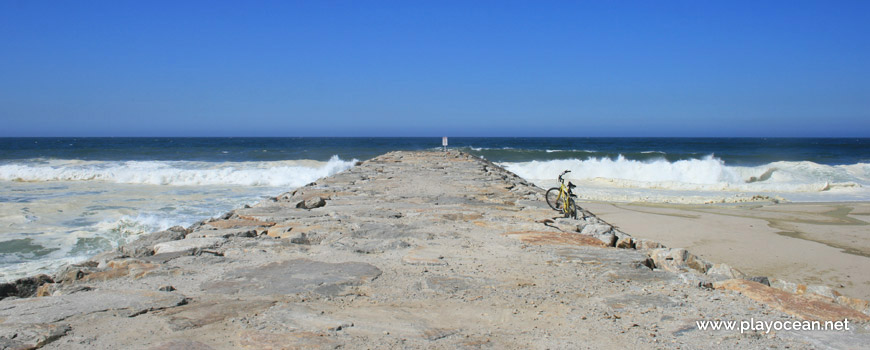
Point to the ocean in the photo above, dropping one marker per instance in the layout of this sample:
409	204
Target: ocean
63	200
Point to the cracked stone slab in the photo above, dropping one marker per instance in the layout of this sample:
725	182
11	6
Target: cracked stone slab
250	339
187	244
237	224
555	238
302	318
407	320
54	309
276	213
30	336
424	256
621	264
640	273
198	314
373	230
372	246
251	231
401	321
295	276
602	255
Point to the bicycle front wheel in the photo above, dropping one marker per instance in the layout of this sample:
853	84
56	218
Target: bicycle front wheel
553	199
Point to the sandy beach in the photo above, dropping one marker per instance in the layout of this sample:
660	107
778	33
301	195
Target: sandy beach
806	243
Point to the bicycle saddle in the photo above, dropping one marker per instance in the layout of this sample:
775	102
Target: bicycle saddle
570	185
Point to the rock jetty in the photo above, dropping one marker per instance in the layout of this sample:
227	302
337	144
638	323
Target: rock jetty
410	250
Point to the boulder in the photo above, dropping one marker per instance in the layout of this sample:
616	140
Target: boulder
760	279
609	239
693	279
596	229
696	263
625	243
298	238
23	287
721	272
787	286
673	260
796	305
311	203
144	246
71	273
823	291
564	225
858	304
103	258
645	244
278	231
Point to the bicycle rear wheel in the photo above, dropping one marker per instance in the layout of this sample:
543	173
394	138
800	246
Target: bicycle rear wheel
553	199
571	210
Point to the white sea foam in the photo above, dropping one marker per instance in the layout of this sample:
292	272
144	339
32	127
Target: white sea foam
177	173
709	174
75	209
570	150
489	148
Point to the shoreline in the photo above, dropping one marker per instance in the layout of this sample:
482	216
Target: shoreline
802	242
411	250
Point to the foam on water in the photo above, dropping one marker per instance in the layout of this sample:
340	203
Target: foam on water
176	173
791	180
570	150
54	212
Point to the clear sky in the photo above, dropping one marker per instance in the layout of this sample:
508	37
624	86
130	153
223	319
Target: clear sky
432	68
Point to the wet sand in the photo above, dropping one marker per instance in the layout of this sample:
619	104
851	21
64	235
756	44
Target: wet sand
807	243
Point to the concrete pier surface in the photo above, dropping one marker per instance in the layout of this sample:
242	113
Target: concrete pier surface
415	250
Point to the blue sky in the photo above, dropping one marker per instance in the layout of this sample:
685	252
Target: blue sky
432	68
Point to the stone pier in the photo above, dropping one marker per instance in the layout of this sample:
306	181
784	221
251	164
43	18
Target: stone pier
410	250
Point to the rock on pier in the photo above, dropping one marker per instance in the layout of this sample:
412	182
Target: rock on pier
408	250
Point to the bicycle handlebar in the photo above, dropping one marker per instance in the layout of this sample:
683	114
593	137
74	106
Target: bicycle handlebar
563	174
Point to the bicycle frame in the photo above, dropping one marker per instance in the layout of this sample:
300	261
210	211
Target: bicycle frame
565	205
562	199
564	194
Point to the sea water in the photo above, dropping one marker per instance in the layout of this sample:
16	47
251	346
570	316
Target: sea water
63	200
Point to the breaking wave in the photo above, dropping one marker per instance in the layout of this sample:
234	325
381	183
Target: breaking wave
293	173
489	148
708	174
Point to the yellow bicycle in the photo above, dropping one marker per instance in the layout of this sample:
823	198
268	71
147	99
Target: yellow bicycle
562	198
